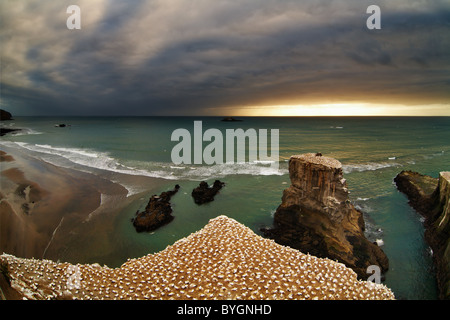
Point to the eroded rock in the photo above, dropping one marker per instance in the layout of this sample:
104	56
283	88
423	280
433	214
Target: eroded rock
157	213
316	216
430	197
203	193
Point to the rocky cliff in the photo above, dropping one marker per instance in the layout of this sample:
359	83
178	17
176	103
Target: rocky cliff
430	197
316	216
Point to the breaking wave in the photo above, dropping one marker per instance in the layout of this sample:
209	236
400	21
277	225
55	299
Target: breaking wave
368	166
21	131
70	157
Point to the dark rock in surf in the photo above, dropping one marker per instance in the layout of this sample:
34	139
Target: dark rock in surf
4	131
157	213
203	193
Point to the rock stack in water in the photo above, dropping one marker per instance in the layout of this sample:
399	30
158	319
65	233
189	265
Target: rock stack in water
204	194
157	213
316	216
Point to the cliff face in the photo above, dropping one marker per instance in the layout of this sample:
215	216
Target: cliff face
442	222
430	197
317	182
316	216
419	188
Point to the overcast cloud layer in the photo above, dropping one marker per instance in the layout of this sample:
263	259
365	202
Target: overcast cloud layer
193	57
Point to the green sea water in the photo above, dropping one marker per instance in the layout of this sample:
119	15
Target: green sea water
373	150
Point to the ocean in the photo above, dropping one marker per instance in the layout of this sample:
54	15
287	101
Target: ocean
373	150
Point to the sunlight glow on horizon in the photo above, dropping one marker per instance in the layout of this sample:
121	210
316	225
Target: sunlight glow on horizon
343	109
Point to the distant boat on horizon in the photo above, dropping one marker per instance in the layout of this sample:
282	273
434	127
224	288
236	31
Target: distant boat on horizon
231	119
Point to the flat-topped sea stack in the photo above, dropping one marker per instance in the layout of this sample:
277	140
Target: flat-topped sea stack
316	216
431	198
224	260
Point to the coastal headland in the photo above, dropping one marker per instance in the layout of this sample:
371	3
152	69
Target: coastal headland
431	198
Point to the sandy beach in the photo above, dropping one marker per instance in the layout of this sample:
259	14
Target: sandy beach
50	212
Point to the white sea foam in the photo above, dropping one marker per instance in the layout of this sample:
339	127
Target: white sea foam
272	213
21	131
348	168
66	151
434	155
264	161
25	131
363	207
84	157
131	189
220	170
102	160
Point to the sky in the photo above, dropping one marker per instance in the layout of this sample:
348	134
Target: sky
225	58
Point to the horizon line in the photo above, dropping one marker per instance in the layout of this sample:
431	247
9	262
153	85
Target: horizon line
231	116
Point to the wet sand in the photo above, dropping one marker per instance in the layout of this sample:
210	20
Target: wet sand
58	213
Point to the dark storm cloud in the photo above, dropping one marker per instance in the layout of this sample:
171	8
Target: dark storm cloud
184	57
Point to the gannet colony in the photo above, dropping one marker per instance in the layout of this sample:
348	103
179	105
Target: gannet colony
224	260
